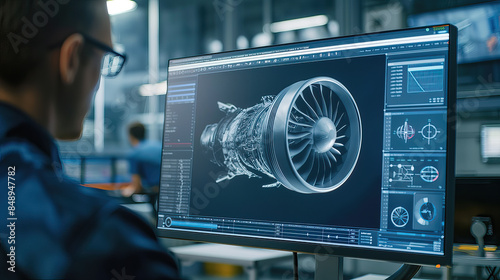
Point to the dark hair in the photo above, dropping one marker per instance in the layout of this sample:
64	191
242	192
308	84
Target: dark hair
28	28
137	130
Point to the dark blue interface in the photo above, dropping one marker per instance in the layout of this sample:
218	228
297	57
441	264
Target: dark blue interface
339	142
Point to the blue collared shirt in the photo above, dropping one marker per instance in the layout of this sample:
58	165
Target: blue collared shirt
62	230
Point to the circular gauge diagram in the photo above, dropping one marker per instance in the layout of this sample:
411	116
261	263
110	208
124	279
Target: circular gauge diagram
425	211
400	217
429	132
429	174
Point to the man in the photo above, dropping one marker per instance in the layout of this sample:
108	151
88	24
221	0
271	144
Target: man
51	53
144	161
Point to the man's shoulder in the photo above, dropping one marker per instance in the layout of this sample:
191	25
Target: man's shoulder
79	226
45	194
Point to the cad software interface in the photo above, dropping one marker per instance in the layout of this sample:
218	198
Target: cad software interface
339	141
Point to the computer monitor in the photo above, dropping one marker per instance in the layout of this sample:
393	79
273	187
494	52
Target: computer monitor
122	170
343	146
478	29
98	170
490	139
72	167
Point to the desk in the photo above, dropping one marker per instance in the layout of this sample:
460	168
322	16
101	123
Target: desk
251	259
107	186
464	259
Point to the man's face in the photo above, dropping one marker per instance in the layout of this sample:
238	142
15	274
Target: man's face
73	101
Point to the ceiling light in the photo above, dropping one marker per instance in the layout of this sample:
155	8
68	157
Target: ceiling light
300	23
116	7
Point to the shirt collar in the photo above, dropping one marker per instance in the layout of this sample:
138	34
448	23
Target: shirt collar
17	124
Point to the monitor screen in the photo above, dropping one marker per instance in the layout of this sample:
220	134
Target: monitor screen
122	169
490	139
72	167
478	29
98	171
342	146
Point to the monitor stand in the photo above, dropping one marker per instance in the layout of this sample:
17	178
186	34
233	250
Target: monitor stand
332	267
329	267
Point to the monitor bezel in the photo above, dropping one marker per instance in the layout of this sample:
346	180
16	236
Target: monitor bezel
348	251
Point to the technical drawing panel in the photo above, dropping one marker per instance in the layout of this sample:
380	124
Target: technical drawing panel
414	171
415	211
416	82
428	211
400	212
410	131
315	152
286	141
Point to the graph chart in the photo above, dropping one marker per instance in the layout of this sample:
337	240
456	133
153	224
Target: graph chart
425	78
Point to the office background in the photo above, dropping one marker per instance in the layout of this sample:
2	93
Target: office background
155	31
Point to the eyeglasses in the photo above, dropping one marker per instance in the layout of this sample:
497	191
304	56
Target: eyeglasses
112	62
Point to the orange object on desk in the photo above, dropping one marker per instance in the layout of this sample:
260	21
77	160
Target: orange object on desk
108	186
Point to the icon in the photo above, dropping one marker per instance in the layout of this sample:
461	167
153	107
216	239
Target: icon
405	132
403	174
400	217
429	132
429	174
425	211
167	222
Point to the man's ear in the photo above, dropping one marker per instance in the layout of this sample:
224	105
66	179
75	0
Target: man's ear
69	60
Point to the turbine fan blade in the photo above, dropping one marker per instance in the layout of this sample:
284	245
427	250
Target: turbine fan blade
316	103
313	175
330	108
293	136
300	124
297	148
335	151
305	172
301	158
303	114
339	119
309	106
323	102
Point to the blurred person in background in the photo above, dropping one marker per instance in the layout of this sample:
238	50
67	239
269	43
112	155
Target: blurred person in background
144	160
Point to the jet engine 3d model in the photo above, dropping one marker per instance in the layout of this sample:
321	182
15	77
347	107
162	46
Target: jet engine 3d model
308	137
